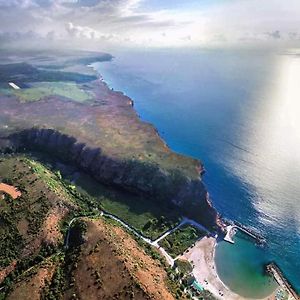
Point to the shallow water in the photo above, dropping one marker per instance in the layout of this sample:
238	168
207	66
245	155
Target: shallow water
237	111
247	261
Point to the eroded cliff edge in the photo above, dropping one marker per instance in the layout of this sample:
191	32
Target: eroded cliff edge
105	137
137	177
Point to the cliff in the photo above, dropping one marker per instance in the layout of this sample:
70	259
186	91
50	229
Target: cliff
132	175
100	133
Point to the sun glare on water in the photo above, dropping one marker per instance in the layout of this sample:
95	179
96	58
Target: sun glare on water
275	166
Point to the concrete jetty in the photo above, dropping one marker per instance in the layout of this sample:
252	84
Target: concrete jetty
232	228
230	231
275	271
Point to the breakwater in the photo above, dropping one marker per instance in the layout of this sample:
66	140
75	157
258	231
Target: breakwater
274	270
232	226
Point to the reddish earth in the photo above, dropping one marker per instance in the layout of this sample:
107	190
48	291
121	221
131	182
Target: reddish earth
4	272
51	228
32	287
10	190
112	265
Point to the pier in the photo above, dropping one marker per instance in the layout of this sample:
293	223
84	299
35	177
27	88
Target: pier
230	231
275	271
232	227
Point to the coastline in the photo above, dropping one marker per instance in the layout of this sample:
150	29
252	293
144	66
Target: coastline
205	268
202	257
217	285
210	248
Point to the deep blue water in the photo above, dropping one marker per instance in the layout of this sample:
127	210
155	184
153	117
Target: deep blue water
239	112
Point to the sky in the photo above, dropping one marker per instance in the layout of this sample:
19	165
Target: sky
150	23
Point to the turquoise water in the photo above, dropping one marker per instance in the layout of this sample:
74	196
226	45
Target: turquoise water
237	111
241	266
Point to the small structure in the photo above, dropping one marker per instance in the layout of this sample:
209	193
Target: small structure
233	227
14	86
197	286
230	231
189	279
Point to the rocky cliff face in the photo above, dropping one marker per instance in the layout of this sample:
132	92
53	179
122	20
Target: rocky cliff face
132	175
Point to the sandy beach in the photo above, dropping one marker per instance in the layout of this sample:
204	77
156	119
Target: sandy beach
202	258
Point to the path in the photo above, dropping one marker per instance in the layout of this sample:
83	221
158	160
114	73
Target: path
154	243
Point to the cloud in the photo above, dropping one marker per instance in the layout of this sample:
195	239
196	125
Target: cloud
131	22
275	34
81	32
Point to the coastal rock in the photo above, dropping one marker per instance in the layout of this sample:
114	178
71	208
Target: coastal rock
132	175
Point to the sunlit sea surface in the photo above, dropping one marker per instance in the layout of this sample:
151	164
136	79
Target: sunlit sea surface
239	112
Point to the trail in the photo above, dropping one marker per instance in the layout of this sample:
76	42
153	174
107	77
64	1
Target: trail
154	243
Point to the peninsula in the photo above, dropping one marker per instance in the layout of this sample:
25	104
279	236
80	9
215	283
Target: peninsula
75	154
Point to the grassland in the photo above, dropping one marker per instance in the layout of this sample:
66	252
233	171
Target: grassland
181	239
149	218
41	90
25	73
32	221
35	265
34	261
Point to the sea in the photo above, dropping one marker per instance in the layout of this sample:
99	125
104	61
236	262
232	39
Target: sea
238	111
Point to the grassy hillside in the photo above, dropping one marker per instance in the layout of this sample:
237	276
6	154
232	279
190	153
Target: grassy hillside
100	261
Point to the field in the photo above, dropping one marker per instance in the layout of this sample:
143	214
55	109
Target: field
181	239
37	91
22	73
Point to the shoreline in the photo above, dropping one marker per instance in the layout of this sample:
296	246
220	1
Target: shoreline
228	294
202	258
217	285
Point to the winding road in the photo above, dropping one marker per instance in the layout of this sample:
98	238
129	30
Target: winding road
154	243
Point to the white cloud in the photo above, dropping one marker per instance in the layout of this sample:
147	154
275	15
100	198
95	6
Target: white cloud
124	22
81	32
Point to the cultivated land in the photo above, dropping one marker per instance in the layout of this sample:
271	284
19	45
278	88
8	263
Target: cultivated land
41	90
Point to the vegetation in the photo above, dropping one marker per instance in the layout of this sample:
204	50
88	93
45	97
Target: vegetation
184	266
34	179
38	91
147	217
10	240
181	239
24	73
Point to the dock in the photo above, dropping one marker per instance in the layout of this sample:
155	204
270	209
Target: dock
232	228
273	269
230	231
